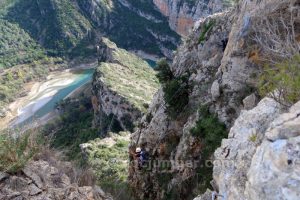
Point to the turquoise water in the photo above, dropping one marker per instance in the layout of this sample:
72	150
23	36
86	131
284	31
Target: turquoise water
84	77
152	63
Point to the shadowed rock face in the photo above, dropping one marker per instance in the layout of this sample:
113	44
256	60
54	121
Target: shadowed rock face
183	14
132	25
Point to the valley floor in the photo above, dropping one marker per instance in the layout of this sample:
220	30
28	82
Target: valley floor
40	93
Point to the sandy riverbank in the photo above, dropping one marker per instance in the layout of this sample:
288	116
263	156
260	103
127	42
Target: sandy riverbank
40	93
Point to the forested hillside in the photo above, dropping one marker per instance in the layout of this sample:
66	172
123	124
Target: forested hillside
39	36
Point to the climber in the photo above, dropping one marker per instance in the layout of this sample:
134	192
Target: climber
142	156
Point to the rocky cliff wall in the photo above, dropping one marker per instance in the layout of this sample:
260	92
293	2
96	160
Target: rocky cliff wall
132	25
168	139
183	14
260	158
123	86
217	59
49	179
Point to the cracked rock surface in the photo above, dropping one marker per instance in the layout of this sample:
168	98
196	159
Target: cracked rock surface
48	181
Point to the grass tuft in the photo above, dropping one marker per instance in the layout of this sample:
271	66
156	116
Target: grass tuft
16	150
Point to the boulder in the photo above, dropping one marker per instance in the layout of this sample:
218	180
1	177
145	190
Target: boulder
274	171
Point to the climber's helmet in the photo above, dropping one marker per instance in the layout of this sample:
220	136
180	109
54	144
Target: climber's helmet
138	150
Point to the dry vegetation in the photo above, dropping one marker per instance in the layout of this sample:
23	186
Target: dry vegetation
16	150
278	34
278	38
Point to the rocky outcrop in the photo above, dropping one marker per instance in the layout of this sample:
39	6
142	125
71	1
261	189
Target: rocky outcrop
237	74
46	180
169	140
263	157
216	59
123	86
233	158
183	14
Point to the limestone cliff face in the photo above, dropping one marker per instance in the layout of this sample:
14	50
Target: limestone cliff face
48	179
237	74
182	14
216	58
260	158
170	140
123	86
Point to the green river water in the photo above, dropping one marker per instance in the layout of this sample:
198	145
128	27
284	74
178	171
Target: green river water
82	79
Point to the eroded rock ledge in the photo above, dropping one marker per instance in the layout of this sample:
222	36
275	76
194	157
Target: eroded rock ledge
123	86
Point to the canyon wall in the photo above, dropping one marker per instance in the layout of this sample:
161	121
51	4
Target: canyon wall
123	86
216	60
183	14
132	25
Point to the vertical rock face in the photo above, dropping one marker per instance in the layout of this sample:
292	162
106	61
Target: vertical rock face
233	158
182	14
123	86
169	140
263	158
216	59
237	72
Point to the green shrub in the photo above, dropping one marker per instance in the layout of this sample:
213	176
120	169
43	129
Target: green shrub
164	72
282	81
206	29
16	151
73	128
149	117
110	164
176	89
253	138
210	131
176	95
